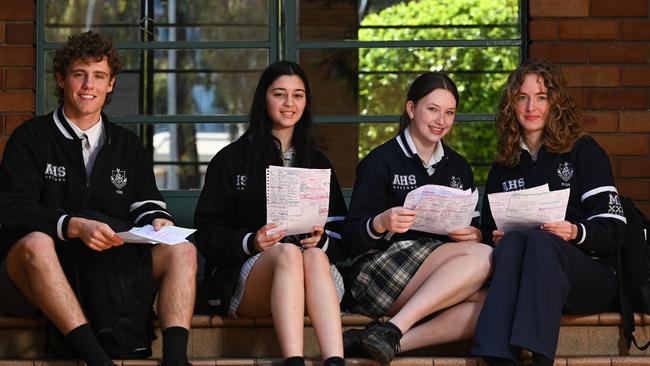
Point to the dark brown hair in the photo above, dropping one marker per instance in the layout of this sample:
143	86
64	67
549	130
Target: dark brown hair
562	127
85	46
422	86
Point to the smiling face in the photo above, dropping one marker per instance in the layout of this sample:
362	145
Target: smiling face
532	106
285	101
431	117
85	86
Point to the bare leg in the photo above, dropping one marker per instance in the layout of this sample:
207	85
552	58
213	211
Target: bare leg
451	274
275	286
454	324
174	266
323	303
33	266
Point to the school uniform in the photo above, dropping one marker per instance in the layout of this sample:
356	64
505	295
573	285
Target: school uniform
230	210
386	262
537	275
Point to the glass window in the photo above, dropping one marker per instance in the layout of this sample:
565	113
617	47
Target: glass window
190	69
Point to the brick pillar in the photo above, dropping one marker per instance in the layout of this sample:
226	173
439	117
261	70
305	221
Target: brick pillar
17	65
603	47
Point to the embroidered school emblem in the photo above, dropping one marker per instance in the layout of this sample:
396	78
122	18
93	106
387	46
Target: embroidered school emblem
456	183
565	171
118	178
615	207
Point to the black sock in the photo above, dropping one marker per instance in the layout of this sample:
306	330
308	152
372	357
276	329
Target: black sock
498	361
83	341
541	360
295	361
175	346
335	361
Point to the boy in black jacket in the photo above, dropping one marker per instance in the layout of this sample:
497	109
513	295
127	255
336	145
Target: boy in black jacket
68	182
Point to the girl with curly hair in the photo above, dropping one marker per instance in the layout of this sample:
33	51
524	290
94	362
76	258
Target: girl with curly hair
561	267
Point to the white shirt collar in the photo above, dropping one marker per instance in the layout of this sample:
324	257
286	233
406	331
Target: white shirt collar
438	153
95	133
523	145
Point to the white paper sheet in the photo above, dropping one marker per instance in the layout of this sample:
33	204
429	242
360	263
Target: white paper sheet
441	209
529	208
297	199
169	235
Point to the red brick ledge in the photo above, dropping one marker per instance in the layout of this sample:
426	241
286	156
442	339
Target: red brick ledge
348	320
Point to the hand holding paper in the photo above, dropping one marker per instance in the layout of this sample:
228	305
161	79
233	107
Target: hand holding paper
441	209
169	235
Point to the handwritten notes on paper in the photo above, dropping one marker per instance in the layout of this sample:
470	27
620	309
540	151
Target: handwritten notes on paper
169	235
297	199
529	208
441	209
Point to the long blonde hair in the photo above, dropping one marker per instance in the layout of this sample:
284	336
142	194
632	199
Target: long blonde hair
562	127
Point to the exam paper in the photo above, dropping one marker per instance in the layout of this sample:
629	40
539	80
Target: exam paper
169	235
297	199
529	208
441	209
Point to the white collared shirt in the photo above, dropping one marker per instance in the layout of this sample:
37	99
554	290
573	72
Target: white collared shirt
523	145
438	153
94	136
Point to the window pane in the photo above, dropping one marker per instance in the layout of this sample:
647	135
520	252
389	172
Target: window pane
115	19
203	82
406	20
209	20
122	21
193	146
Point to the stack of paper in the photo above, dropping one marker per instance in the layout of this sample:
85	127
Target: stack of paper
169	235
297	199
441	209
528	208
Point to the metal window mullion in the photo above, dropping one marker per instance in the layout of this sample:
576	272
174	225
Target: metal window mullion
274	30
407	44
291	31
164	45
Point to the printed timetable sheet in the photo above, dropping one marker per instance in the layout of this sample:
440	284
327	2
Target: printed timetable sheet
297	199
441	209
528	208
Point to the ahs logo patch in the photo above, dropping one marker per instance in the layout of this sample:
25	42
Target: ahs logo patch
615	207
55	173
456	183
565	172
404	181
118	178
240	182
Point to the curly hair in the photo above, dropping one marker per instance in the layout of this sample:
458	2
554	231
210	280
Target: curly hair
84	46
562	127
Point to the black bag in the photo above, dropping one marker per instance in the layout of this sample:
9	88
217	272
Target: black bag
634	270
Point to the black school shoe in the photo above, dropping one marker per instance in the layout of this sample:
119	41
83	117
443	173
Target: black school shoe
382	341
352	346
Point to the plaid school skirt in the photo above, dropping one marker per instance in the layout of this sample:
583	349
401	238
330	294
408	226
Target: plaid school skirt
382	277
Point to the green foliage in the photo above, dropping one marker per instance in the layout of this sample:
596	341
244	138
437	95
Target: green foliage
479	72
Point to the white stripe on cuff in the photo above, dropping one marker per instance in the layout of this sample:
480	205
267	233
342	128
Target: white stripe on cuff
335	218
333	234
370	230
476	214
244	243
327	243
135	205
584	234
610	216
150	212
595	191
59	227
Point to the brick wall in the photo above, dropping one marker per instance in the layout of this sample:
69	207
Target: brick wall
603	47
17	61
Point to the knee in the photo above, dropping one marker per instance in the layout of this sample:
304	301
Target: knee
315	258
286	256
185	254
35	249
480	258
539	242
